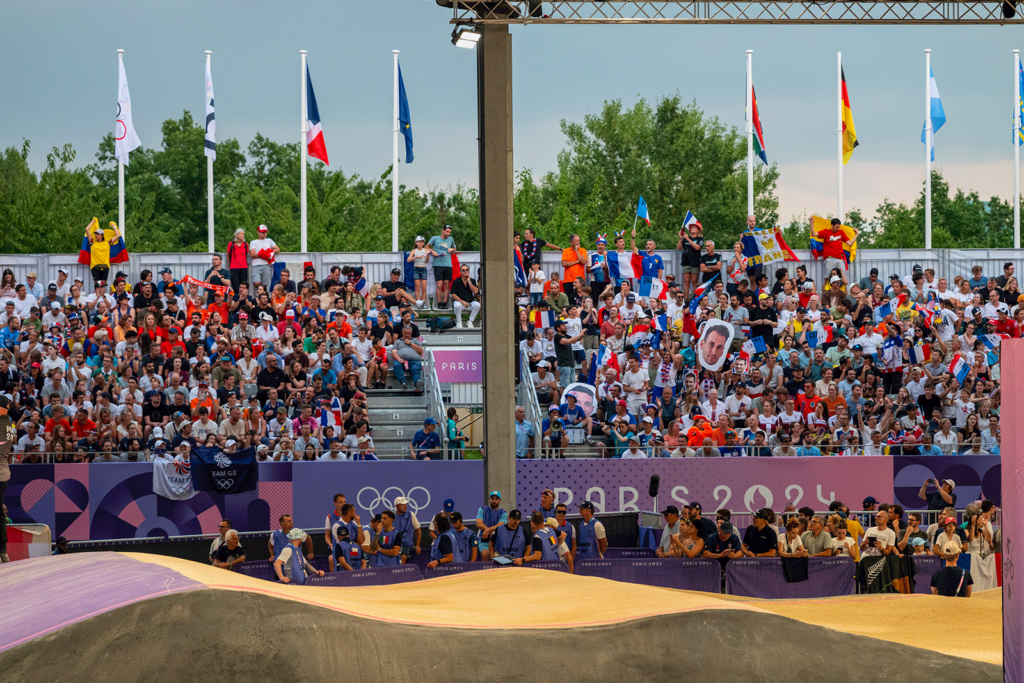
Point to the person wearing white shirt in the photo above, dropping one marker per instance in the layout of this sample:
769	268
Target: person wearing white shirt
24	302
946	439
869	341
712	408
634	452
266	331
738	404
262	270
994	305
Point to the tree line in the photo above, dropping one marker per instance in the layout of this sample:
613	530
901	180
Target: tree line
672	153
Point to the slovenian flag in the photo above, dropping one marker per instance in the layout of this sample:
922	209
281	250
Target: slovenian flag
936	113
920	353
315	145
700	293
959	368
754	346
641	210
543	319
652	288
691	220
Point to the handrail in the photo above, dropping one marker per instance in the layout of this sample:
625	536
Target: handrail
435	402
526	397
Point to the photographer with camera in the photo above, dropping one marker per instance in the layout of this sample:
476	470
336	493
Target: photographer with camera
942	497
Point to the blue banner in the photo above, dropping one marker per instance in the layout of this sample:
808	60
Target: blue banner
216	470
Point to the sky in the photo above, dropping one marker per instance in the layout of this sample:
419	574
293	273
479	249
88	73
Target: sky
58	84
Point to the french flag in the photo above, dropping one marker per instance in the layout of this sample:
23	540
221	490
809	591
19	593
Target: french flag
652	288
959	368
641	210
754	346
638	334
331	417
920	353
700	293
314	131
362	286
624	266
822	336
691	220
544	319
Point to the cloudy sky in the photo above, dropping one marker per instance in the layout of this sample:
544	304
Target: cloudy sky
58	84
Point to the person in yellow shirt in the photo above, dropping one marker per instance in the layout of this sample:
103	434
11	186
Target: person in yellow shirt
99	252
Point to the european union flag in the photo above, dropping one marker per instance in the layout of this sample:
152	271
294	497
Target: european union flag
404	120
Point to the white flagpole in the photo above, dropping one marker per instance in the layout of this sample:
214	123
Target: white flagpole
394	162
120	182
209	188
839	134
302	165
928	149
750	133
1016	149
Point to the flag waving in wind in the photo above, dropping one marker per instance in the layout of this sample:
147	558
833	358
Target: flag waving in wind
937	116
689	220
211	124
641	211
701	292
755	122
125	139
314	132
1020	100
404	119
849	131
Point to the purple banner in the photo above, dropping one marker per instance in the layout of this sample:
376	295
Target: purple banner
740	484
450	568
381	576
1013	514
682	574
459	365
762	577
627	553
109	501
926	565
977	477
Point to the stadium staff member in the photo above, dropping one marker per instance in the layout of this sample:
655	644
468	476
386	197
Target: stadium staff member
290	566
7	434
593	540
544	545
509	538
488	519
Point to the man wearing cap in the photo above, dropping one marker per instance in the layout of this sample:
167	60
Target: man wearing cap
723	545
407	524
509	539
634	452
671	515
446	511
593	540
488	519
941	497
290	566
426	444
760	539
395	290
262	251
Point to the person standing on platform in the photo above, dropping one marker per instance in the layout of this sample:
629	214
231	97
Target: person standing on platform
593	540
575	261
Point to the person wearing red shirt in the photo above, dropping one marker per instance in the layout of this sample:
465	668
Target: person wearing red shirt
832	242
173	339
219	305
807	402
57	419
81	427
289	321
1006	325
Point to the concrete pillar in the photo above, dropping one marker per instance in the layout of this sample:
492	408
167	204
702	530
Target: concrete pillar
494	106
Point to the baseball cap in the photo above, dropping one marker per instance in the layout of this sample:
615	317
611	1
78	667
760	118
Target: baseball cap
634	439
835	278
165	271
296	535
495	493
763	296
401	501
648	419
419	238
808	285
894	276
52	285
630	298
396	271
359	395
243	316
449	505
290	313
543	364
262	228
587	505
763	513
429	421
225	358
949	520
516	514
670	510
952	484
552	408
870	500
725	526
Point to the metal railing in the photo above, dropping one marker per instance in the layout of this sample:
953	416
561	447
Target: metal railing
435	402
526	398
606	449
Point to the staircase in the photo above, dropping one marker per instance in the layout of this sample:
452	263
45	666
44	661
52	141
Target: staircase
395	416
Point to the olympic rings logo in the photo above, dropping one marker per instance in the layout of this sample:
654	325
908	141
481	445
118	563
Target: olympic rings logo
225	483
376	501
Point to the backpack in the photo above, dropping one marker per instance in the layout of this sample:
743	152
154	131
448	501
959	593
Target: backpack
439	324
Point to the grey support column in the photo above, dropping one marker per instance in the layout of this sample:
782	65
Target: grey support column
494	105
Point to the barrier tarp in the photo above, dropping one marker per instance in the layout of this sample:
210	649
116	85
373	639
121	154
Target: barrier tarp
762	577
682	574
379	576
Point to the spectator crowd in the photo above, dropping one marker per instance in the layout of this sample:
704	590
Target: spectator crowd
907	364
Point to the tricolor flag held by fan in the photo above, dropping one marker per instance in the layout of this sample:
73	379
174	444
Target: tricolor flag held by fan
661	323
959	368
652	288
621	266
544	319
691	220
638	334
921	353
330	414
700	293
882	312
822	336
362	286
315	145
754	346
641	210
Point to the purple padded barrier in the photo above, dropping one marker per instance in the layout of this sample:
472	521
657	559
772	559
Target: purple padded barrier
259	569
682	574
87	584
762	577
926	566
450	568
381	576
627	553
649	537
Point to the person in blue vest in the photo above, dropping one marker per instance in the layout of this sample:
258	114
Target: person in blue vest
563	550
332	519
593	540
348	555
387	542
409	527
544	545
445	547
468	542
290	566
488	519
509	539
349	520
279	539
370	548
566	527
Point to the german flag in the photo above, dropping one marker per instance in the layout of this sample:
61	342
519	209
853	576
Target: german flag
849	131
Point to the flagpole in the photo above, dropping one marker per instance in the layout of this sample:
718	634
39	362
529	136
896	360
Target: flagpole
1016	149
750	133
302	165
839	134
394	161
928	149
209	186
120	180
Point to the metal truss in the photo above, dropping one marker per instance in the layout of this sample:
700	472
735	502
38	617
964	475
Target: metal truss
725	12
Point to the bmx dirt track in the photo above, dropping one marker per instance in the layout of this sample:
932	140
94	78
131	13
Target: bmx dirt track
521	625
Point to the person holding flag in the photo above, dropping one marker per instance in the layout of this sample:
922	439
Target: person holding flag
691	244
833	242
100	248
651	264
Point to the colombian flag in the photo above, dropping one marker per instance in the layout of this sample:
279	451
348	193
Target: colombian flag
849	131
118	250
820	225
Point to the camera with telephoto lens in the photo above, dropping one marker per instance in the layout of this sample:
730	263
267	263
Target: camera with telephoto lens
556	425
